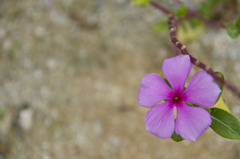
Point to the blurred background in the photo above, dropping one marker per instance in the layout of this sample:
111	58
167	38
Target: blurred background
70	71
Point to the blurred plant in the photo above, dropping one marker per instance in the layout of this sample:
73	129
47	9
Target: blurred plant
160	27
190	30
208	7
233	29
141	2
181	12
2	113
186	24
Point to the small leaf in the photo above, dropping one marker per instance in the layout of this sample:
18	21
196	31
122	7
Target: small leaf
206	9
176	137
160	27
232	30
195	22
181	12
162	75
222	105
2	113
225	124
238	24
190	104
220	74
141	2
187	32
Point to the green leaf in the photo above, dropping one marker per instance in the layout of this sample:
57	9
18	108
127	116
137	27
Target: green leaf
222	105
181	12
195	22
225	124
2	113
141	2
208	7
161	74
190	104
188	32
176	137
238	24
232	30
220	74
160	27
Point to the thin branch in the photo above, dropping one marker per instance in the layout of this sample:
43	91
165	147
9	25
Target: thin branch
176	51
173	32
193	14
159	7
179	2
190	14
180	46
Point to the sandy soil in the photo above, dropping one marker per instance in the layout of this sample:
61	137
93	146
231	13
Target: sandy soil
70	73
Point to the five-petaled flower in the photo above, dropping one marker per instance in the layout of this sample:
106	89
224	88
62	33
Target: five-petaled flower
191	121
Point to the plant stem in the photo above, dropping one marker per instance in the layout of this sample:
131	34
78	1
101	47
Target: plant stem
164	10
173	32
183	49
193	14
190	14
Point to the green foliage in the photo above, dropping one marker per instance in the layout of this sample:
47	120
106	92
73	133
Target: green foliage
162	75
55	124
190	30
176	137
2	113
238	23
208	7
141	2
160	27
221	104
181	12
232	30
225	124
195	22
220	74
16	48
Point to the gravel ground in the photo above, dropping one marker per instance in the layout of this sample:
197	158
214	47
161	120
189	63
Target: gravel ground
70	73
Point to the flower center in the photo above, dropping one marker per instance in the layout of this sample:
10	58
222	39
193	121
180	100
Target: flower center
176	98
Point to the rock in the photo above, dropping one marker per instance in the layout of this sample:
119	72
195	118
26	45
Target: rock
25	119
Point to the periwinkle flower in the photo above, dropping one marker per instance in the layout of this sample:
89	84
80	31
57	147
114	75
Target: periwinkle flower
191	121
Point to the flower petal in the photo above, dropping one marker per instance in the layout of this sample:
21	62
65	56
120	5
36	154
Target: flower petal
159	120
191	122
153	89
176	71
202	90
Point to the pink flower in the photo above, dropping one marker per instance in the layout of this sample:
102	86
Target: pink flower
191	121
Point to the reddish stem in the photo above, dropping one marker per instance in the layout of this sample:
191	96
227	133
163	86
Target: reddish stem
176	51
178	2
180	46
173	31
191	14
164	10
